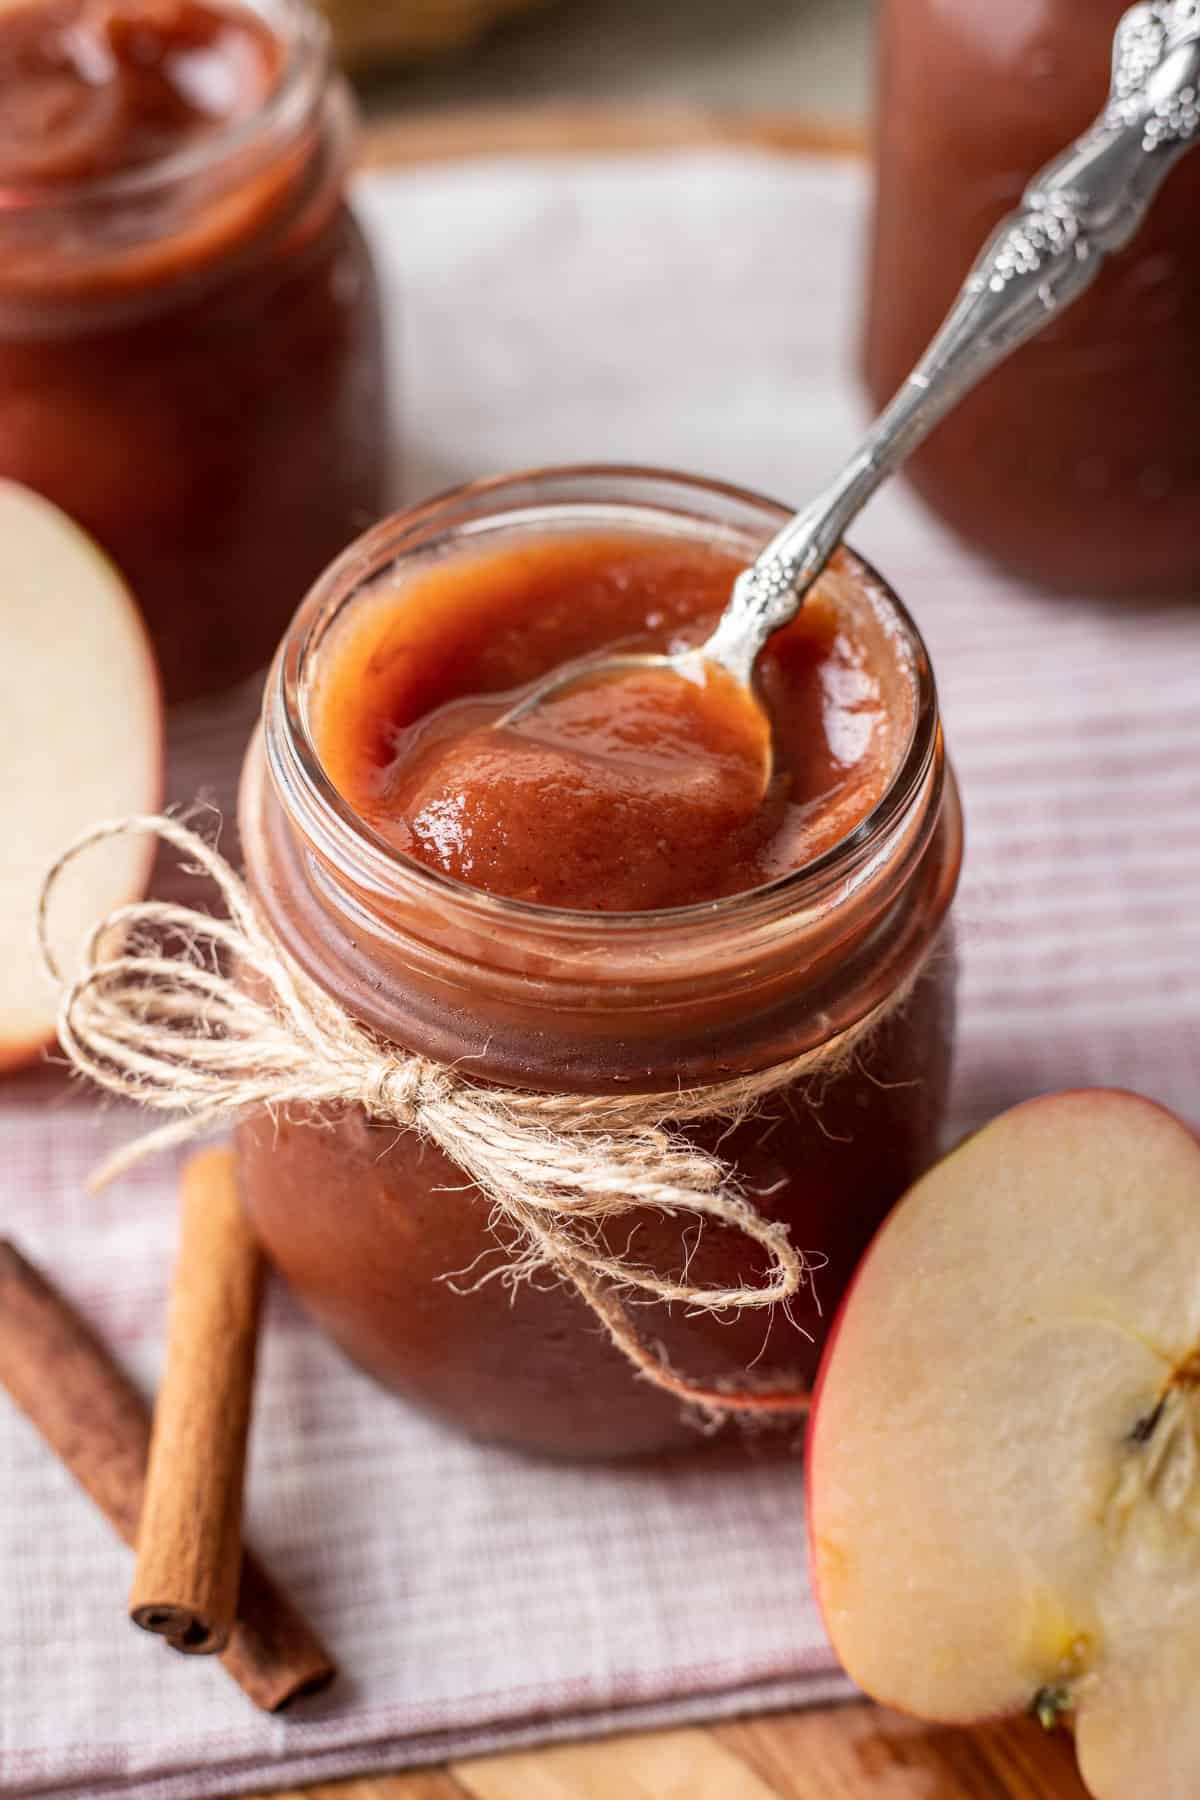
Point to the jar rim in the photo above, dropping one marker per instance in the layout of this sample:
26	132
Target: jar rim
283	113
333	826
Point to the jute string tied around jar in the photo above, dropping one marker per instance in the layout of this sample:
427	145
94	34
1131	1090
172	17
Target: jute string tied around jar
205	1016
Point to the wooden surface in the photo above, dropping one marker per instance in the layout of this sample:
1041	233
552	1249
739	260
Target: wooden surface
853	1752
567	127
825	1753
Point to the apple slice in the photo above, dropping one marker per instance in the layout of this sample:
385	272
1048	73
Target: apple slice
1004	1453
81	741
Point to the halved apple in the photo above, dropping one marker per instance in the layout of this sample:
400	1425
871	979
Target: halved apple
81	741
1004	1453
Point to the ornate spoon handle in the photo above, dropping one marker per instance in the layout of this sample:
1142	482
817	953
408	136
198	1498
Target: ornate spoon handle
1076	211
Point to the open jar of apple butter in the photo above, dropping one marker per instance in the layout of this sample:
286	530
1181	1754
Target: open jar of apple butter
1077	462
586	904
191	361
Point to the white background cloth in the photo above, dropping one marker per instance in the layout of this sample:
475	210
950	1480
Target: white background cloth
696	311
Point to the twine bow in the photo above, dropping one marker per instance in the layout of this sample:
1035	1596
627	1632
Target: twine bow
206	1017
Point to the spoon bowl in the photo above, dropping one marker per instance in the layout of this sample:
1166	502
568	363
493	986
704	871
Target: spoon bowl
737	699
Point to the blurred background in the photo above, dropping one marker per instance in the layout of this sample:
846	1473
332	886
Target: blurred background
807	56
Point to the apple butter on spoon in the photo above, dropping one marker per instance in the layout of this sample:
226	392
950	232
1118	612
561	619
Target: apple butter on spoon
1077	210
647	769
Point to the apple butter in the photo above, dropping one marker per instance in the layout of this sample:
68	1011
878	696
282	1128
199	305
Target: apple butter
191	361
1077	462
597	898
639	791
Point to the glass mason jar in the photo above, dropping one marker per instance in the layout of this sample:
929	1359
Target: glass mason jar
368	1225
191	364
1077	462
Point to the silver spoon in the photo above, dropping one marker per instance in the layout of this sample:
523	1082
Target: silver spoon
1080	208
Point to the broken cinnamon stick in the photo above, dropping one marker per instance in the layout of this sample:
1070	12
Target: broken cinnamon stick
185	1584
89	1413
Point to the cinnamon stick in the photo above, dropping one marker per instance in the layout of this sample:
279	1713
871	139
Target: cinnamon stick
89	1413
189	1544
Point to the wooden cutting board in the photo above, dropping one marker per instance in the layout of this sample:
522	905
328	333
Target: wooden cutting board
851	1752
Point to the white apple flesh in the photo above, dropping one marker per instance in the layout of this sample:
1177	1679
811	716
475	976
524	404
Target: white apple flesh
81	741
1003	1459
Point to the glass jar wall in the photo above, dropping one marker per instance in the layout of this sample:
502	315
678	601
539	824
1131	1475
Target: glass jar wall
370	1226
1077	463
191	361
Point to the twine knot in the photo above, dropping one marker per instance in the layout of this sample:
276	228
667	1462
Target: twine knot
204	1016
401	1091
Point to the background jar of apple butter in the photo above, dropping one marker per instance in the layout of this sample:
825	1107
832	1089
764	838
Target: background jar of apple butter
1077	462
191	361
370	1227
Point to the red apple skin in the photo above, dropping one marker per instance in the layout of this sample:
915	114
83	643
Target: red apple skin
15	1056
847	1300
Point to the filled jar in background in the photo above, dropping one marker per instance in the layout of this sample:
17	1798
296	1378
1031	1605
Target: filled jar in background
1077	463
191	361
430	925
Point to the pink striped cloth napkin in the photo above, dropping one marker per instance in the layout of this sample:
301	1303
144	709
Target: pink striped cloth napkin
696	311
